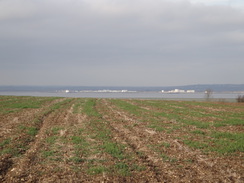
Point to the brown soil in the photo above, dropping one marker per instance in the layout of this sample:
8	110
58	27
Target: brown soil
201	168
180	163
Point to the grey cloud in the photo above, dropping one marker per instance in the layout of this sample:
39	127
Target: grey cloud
98	42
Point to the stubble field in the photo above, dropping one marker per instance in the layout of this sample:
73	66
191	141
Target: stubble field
120	140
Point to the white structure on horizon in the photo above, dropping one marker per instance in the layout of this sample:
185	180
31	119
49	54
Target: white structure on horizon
66	91
190	91
179	91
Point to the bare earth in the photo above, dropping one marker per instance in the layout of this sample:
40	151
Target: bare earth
69	143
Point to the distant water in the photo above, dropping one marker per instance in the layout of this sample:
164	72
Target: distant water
114	92
124	94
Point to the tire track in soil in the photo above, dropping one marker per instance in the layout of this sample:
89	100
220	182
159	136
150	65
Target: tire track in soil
156	171
207	167
202	169
24	168
8	129
137	138
8	122
69	123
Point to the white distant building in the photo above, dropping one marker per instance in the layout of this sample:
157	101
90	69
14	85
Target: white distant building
190	91
66	91
181	91
124	90
177	91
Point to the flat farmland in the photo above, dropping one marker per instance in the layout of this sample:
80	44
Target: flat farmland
45	139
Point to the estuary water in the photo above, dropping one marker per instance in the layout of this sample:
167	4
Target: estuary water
127	94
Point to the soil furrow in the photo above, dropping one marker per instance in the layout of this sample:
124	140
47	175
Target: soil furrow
207	166
138	143
22	168
108	140
12	129
138	136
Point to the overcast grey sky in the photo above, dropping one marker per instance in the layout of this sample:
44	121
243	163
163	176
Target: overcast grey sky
121	42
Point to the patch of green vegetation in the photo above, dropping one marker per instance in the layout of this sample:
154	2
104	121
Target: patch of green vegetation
19	142
97	170
230	121
168	159
226	143
82	147
123	169
14	104
114	149
47	154
61	104
133	109
51	139
56	130
136	167
77	139
197	124
5	142
157	127
196	144
219	124
6	147
198	132
77	159
32	131
227	147
15	149
174	111
165	144
89	108
37	121
78	106
102	132
194	113
102	142
227	135
9	150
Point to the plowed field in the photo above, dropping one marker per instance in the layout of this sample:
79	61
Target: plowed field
120	140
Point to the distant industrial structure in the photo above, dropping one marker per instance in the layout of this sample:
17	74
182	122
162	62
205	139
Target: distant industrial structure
179	91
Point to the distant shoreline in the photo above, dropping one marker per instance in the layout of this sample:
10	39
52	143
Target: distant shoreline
198	96
219	88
